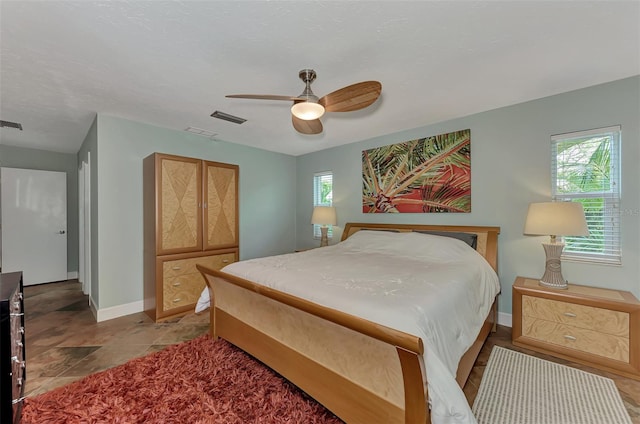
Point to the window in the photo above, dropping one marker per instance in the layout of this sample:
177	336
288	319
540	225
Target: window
585	168
322	196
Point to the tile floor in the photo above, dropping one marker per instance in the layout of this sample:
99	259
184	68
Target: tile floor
64	343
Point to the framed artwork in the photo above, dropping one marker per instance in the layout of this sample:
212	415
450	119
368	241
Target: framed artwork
431	174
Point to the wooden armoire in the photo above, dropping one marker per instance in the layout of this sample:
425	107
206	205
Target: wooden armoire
190	217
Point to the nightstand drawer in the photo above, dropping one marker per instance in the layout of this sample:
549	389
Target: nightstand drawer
594	326
586	317
580	339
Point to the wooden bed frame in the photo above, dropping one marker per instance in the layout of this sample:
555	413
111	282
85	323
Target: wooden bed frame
363	372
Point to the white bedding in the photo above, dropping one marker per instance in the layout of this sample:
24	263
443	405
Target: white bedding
437	288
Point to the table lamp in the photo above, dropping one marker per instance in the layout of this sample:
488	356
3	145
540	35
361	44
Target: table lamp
555	219
324	216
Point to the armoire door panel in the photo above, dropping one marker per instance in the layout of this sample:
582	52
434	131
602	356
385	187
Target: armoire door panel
180	205
221	210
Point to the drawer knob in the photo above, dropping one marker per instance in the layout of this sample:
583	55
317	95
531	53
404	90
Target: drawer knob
224	261
175	268
177	300
21	330
176	284
19	343
570	314
15	401
568	337
16	314
15	359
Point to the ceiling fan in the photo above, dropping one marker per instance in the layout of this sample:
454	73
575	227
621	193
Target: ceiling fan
308	108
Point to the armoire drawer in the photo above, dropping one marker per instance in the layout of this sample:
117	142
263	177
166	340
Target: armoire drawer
182	283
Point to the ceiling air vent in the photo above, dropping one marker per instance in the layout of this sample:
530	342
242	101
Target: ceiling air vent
227	117
200	131
9	124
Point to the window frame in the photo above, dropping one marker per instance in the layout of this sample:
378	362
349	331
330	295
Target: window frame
317	201
609	219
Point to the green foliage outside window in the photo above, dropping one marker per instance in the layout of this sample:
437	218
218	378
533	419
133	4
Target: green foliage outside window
586	170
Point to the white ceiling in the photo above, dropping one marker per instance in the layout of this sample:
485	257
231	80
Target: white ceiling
170	64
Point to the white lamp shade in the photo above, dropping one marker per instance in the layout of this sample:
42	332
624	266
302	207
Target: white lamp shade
324	215
307	111
557	219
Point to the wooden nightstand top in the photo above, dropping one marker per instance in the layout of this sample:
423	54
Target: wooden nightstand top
576	290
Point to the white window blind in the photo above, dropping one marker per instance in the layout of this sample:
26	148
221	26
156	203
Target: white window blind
322	196
585	168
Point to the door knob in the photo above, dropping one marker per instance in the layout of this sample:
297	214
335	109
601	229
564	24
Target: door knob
62	232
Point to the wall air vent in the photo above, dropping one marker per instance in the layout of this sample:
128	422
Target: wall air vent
227	117
9	124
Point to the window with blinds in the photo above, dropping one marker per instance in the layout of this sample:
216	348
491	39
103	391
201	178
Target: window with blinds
585	168
322	196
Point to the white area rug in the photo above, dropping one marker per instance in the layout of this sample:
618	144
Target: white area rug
521	389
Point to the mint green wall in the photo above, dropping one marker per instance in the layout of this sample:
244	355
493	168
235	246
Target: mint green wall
510	164
89	153
510	169
267	199
18	157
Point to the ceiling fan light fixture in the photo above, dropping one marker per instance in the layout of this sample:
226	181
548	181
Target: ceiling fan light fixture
307	111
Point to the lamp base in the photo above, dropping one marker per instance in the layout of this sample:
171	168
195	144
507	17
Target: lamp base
324	239
553	270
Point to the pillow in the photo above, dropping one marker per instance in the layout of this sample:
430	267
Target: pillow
407	244
470	239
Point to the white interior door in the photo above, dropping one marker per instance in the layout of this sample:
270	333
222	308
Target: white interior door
34	224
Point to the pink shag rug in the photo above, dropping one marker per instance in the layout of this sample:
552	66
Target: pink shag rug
199	381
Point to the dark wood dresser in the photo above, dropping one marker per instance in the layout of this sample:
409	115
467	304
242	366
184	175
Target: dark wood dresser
12	354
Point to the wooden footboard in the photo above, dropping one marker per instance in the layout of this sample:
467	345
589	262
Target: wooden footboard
361	371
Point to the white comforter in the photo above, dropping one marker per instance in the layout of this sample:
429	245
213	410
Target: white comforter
437	288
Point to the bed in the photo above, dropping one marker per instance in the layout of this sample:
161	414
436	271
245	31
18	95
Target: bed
344	336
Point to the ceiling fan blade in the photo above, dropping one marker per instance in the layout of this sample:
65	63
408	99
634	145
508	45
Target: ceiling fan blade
352	97
307	127
264	97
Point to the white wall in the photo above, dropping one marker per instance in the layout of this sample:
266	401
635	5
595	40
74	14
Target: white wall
510	165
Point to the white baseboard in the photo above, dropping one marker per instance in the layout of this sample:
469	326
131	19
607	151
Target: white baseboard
135	307
92	307
72	275
504	319
105	314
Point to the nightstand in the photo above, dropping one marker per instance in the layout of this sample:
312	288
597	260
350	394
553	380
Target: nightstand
588	325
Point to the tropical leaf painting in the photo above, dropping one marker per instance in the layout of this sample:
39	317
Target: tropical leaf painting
431	174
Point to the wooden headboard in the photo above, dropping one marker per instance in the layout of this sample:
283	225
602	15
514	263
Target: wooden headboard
487	236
